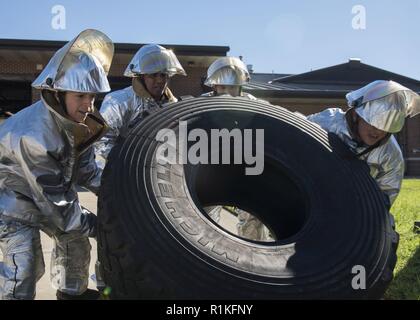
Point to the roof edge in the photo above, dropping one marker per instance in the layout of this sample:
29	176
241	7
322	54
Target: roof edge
120	47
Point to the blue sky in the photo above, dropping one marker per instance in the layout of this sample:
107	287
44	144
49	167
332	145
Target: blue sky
278	35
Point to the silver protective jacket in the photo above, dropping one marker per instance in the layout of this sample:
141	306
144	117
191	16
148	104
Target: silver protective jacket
123	108
386	162
43	155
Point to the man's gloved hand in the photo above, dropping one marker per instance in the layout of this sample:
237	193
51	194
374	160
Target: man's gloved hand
92	221
387	201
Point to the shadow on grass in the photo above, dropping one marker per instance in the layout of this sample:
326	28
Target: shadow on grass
406	283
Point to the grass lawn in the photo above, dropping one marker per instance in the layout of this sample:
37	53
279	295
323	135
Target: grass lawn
406	210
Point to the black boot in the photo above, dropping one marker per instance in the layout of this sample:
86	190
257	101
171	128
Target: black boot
89	294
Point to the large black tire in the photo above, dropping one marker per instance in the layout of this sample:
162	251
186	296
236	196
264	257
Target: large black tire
155	241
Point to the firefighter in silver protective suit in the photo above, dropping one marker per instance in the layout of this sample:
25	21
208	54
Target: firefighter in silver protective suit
150	69
226	76
377	111
45	152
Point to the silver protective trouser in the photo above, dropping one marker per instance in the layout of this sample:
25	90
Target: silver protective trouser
247	226
214	213
252	228
23	262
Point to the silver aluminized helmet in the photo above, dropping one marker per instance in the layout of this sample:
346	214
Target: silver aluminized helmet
81	65
152	58
228	71
385	104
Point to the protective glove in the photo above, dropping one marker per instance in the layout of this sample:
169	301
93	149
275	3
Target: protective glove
92	222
